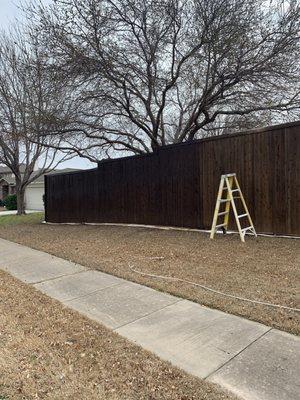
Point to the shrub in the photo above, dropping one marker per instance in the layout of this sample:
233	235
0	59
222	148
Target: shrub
1	205
10	202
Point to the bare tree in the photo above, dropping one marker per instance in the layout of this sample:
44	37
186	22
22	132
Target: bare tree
29	105
148	73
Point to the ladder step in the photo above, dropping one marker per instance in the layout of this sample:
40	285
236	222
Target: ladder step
223	213
247	229
237	197
235	190
227	175
242	215
224	200
219	226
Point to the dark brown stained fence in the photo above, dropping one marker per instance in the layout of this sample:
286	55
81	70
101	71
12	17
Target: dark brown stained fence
177	185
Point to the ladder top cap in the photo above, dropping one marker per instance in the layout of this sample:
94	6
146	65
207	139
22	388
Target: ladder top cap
228	175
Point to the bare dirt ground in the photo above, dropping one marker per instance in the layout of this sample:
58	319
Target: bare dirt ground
264	269
48	351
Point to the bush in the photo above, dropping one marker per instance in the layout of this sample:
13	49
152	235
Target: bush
1	205
10	202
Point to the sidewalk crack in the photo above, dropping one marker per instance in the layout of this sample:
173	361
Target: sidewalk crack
237	354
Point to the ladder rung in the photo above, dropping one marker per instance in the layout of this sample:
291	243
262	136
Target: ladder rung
247	229
242	215
227	175
223	213
235	190
219	226
237	197
224	200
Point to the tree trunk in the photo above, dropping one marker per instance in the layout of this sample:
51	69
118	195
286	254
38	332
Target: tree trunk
20	201
154	145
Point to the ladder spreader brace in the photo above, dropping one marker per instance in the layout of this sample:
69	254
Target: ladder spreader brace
229	183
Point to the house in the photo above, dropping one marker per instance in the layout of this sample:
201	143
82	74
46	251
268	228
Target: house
34	192
8	181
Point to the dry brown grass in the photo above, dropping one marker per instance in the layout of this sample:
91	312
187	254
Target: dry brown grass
48	351
264	269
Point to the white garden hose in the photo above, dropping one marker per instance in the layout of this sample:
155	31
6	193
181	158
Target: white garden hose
167	228
170	278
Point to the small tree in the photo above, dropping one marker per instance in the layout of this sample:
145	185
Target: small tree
147	73
31	98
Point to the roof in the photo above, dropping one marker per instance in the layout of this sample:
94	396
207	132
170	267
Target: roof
6	180
7	176
9	179
12	181
40	179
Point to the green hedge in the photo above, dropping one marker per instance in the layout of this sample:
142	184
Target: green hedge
10	202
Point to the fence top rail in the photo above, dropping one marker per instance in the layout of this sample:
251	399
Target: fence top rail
180	145
207	139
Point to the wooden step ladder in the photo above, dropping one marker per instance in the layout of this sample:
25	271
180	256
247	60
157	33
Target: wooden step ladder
229	184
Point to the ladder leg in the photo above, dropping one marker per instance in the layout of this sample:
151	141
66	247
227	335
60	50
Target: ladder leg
245	206
217	207
228	204
236	214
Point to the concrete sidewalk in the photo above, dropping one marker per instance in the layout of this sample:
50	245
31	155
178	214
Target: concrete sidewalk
252	360
14	212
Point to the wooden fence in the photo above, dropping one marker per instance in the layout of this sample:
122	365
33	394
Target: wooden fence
177	184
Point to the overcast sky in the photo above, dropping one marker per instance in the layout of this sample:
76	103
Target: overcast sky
9	12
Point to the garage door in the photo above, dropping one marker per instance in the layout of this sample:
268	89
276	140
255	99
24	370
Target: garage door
34	198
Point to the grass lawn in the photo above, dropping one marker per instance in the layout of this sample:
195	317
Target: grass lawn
9	220
48	351
265	269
